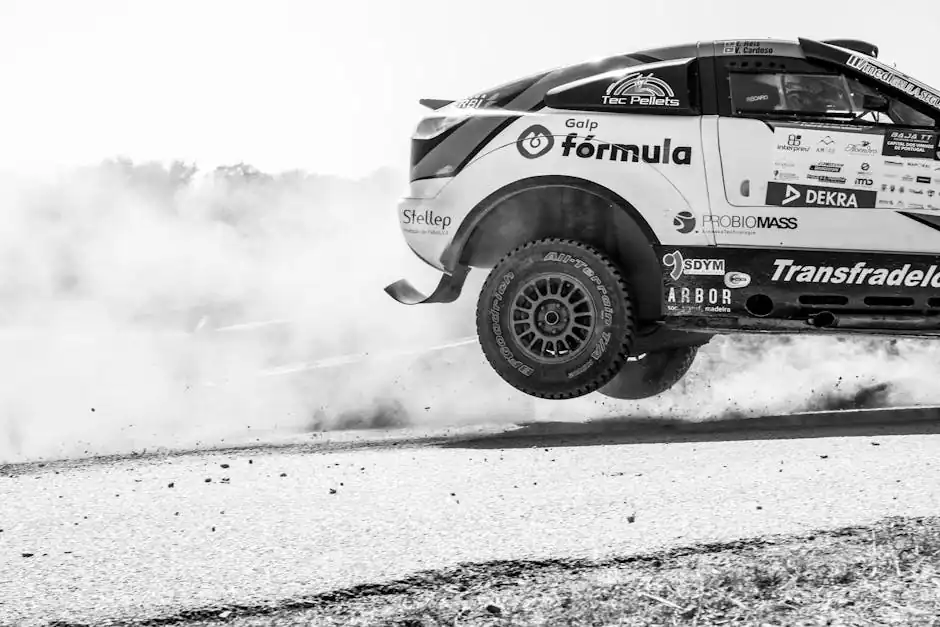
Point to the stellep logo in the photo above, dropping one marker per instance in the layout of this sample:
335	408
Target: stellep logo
535	141
637	89
684	222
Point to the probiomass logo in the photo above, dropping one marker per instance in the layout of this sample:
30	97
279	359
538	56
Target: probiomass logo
786	271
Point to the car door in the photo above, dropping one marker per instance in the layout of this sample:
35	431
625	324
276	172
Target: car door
800	169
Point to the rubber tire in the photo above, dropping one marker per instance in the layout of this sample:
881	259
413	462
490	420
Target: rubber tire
599	362
657	372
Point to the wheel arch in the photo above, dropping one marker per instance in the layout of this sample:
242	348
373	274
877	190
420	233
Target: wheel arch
565	207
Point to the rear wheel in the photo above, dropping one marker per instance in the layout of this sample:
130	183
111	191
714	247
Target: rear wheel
651	374
554	319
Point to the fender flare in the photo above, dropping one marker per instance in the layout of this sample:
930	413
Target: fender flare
451	256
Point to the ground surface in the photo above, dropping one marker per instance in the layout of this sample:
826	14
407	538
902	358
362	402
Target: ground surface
150	538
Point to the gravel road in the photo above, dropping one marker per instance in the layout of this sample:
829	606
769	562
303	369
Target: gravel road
143	538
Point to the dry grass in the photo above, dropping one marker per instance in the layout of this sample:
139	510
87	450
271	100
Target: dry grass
888	574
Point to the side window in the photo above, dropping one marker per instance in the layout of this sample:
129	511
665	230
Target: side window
791	93
817	95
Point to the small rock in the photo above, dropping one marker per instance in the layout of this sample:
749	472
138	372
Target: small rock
225	614
27	554
332	490
876	443
251	461
823	457
208	479
631	518
283	474
225	479
494	610
224	465
171	485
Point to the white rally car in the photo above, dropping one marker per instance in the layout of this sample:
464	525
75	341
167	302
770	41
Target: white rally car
632	208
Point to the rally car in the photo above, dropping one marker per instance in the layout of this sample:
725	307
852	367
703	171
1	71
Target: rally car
634	207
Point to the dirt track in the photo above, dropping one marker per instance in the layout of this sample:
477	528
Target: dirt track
152	537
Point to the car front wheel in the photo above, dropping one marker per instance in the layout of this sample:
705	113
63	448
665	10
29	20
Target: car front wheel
555	319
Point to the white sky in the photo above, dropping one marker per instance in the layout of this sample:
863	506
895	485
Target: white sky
333	86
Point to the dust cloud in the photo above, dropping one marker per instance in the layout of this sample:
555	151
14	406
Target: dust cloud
145	306
121	288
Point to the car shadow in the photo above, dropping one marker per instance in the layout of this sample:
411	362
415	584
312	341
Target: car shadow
633	430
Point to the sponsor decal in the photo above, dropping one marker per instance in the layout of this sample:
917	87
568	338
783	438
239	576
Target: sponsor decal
787	271
861	147
893	163
684	221
891	76
866	166
665	154
535	141
794	144
637	89
926	180
425	221
477	101
587	124
910	144
745	47
679	266
864	181
836	180
793	195
785	176
735	280
713	299
827	166
731	223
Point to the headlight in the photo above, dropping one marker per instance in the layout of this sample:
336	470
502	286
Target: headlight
433	126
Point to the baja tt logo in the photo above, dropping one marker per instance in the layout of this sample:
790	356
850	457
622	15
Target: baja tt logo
679	266
637	89
535	141
792	195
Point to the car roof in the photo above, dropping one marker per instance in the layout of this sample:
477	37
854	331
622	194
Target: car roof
756	46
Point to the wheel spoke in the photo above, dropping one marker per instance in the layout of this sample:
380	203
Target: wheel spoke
552	317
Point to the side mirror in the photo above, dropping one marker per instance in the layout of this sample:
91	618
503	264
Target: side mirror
879	104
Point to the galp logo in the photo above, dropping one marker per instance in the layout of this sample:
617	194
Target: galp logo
535	141
637	89
684	222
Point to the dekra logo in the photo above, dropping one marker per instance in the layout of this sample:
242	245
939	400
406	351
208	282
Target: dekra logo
587	149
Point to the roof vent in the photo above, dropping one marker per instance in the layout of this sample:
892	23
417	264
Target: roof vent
855	44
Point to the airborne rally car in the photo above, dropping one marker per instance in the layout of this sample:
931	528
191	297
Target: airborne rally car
632	208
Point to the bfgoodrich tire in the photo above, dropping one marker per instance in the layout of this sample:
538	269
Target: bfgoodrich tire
555	319
651	374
